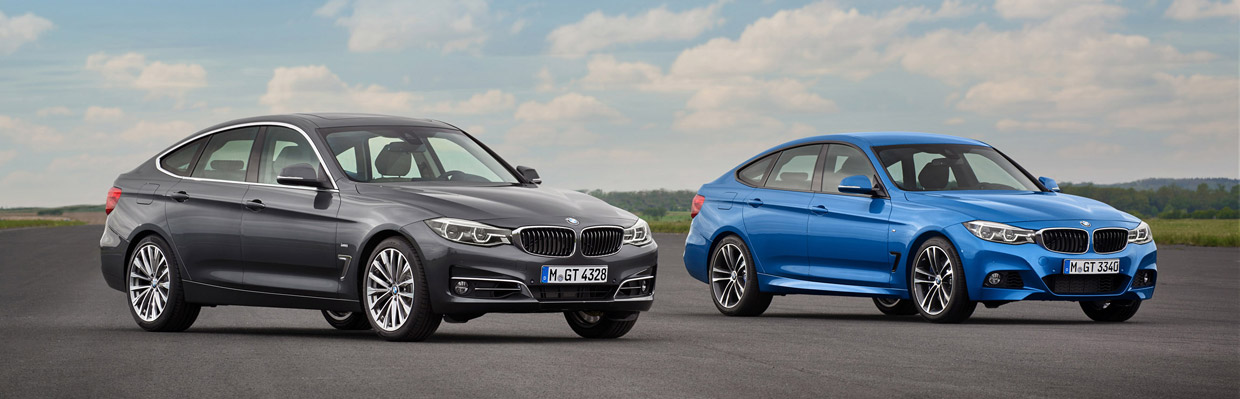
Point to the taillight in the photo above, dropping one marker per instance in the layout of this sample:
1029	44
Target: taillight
114	195
698	200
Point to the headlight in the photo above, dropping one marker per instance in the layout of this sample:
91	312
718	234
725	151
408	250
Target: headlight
1141	234
469	232
638	234
999	232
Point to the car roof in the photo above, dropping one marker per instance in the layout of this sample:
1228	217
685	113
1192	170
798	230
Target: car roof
878	139
334	119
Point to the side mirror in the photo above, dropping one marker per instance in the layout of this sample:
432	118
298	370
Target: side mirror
1049	183
858	184
529	174
301	174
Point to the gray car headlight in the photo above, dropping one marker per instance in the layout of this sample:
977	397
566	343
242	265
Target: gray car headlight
469	232
999	232
1141	235
638	234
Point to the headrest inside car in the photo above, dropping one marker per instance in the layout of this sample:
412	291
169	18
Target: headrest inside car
393	161
934	175
227	165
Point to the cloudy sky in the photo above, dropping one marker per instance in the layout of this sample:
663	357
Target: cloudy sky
628	95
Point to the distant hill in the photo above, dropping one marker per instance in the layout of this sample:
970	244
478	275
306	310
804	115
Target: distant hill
1157	183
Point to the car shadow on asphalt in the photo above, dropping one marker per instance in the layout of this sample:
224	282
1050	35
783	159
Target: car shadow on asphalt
918	319
368	335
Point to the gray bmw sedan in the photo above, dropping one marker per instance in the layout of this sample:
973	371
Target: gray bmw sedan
386	223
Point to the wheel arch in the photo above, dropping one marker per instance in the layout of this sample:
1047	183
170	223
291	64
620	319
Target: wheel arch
910	255
368	247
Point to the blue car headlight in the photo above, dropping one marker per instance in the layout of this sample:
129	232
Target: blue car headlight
999	232
1141	235
638	234
469	232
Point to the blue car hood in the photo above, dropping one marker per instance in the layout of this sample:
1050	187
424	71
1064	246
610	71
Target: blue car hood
1019	206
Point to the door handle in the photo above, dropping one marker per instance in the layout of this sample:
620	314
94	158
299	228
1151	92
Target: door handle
179	196
818	209
255	205
755	202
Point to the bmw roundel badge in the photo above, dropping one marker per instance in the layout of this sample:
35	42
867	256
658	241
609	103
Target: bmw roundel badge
572	221
1084	223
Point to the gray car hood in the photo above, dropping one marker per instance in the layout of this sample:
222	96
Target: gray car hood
504	206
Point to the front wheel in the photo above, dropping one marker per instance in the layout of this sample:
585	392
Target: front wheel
395	296
596	325
1111	311
346	320
734	280
938	285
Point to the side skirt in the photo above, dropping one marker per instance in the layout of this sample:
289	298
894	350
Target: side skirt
206	294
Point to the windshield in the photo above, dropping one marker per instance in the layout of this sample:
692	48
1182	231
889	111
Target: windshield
388	154
944	167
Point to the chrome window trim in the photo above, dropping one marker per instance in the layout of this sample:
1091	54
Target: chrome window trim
581	233
1091	238
315	147
516	235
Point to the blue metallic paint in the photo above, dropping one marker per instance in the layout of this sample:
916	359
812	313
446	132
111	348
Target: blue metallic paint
853	248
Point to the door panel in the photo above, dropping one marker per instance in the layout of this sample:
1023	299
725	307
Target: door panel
848	232
775	222
204	218
289	244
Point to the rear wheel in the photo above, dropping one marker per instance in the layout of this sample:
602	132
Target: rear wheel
1111	311
937	283
895	306
734	280
346	320
395	296
156	299
596	325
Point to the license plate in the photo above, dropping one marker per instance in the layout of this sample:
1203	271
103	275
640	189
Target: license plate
574	274
1090	266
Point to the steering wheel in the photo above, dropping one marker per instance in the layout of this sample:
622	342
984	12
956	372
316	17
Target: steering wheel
453	175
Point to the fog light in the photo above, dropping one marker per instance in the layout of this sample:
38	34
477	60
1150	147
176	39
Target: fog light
994	279
462	287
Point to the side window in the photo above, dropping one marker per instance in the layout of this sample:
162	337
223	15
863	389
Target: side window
795	168
453	157
755	172
178	162
844	161
227	155
284	147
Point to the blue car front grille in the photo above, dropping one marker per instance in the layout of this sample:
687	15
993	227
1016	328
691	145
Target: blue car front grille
1070	241
1110	240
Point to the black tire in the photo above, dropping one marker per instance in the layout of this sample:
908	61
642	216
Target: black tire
596	325
1111	311
958	307
739	294
176	314
895	307
346	320
420	322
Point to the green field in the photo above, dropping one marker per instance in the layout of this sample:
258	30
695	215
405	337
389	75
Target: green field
18	223
1198	232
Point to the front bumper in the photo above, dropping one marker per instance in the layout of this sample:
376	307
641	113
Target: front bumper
1041	271
505	279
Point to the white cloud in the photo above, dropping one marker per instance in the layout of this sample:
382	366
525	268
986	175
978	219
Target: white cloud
157	78
316	88
517	26
1037	9
546	81
33	135
6	156
483	103
571	107
17	31
818	39
598	31
54	111
385	25
103	114
1188	10
157	132
603	71
1044	126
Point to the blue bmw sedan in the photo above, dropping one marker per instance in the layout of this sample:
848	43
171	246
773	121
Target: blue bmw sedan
922	223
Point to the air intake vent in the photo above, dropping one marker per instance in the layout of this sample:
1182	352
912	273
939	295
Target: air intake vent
573	292
601	241
1110	240
1071	241
1084	283
548	241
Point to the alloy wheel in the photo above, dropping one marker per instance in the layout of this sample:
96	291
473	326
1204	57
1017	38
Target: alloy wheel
932	280
389	289
148	282
729	281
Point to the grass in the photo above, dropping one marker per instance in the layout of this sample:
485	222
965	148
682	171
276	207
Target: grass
19	223
1197	232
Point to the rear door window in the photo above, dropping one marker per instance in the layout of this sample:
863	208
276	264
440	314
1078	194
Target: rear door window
795	168
227	155
179	161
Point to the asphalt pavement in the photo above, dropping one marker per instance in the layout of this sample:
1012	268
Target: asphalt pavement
64	333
